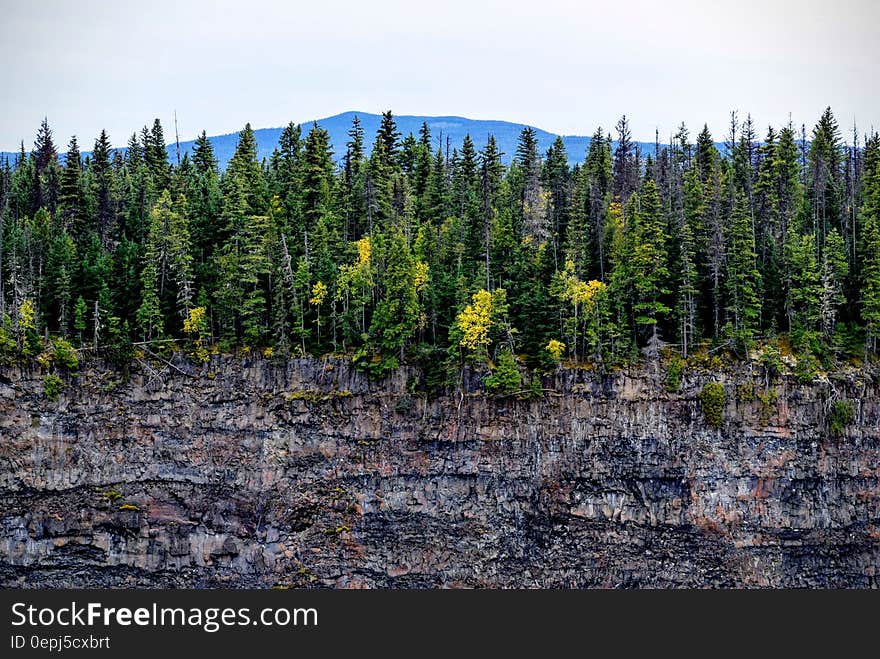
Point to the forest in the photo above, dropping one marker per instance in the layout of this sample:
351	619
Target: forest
767	248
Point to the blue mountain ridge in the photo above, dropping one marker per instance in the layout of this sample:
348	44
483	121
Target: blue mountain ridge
442	128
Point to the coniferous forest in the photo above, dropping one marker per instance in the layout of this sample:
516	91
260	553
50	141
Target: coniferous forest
766	248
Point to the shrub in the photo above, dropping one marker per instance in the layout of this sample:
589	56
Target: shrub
52	386
842	414
767	403
506	378
64	354
712	400
673	374
771	360
807	368
555	349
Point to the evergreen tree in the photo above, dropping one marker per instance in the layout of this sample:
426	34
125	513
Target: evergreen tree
71	202
389	137
203	158
625	167
244	169
835	270
648	261
743	278
103	189
532	202
317	176
156	157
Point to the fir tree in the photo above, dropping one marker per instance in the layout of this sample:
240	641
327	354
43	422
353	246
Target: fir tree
743	278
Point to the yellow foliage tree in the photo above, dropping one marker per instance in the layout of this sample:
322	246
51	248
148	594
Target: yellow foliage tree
476	322
194	326
556	349
581	295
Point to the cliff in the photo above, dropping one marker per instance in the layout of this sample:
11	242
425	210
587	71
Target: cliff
249	473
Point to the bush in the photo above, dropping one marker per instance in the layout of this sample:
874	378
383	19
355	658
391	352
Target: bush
673	374
767	404
119	349
712	400
64	354
807	368
771	360
842	415
506	378
52	386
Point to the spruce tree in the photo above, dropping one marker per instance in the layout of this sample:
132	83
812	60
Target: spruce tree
102	189
743	281
648	261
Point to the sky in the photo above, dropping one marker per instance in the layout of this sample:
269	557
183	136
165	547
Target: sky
566	66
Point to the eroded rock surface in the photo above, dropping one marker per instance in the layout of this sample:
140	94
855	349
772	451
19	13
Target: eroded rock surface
248	473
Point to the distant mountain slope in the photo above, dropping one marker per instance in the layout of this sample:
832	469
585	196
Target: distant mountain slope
442	128
453	128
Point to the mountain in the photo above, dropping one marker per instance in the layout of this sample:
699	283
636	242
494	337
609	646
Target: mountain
442	128
453	128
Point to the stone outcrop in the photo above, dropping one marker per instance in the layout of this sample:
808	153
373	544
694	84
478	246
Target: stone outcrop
249	473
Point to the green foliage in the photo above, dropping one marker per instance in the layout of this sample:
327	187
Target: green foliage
674	369
118	349
807	368
771	360
506	378
841	416
52	386
767	403
743	276
64	355
437	256
712	400
648	261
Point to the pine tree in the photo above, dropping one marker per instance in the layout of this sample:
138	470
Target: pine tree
397	312
60	269
869	220
648	261
824	175
102	189
532	202
598	168
353	171
743	278
203	158
693	226
71	202
556	179
244	166
286	183
804	285
625	166
317	176
156	156
835	270
389	137
167	269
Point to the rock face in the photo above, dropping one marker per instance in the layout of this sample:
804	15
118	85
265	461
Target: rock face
248	473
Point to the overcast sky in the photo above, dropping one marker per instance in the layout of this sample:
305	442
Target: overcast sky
566	66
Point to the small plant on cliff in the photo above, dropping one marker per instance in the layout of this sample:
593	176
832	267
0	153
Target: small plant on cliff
767	404
673	374
64	354
506	378
195	326
712	401
556	349
842	414
807	368
52	386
